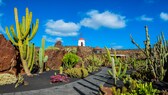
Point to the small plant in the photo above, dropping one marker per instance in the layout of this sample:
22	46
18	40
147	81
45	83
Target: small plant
92	68
61	70
6	78
142	74
20	81
77	72
70	60
145	89
59	78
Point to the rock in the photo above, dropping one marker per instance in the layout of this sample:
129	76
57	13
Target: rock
83	52
8	55
58	44
106	91
54	58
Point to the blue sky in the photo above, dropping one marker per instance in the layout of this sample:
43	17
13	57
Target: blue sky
100	22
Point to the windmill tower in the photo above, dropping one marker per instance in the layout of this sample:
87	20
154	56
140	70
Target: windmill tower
81	42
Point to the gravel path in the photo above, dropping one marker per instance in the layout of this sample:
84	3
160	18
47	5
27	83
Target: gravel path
87	86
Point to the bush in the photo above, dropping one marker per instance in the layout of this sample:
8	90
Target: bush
77	72
93	60
145	89
70	60
92	68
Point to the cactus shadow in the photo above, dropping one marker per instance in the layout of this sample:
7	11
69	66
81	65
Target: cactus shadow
88	87
101	76
91	83
79	91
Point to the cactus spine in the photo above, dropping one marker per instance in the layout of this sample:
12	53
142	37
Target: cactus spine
21	38
42	58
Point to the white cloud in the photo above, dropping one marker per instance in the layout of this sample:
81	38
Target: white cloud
61	28
53	40
145	18
117	47
164	16
105	19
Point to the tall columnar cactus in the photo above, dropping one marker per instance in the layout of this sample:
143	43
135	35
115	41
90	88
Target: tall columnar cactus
22	37
156	56
113	72
117	74
42	58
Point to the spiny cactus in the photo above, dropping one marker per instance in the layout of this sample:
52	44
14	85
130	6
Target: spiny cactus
115	74
42	58
61	70
22	37
77	72
20	80
156	56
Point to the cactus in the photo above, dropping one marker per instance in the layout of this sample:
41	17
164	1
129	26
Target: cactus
116	74
42	58
113	72
20	80
77	72
61	70
22	37
156	56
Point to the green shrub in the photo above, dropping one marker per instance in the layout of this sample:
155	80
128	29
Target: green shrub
6	78
77	72
92	68
145	89
93	60
70	60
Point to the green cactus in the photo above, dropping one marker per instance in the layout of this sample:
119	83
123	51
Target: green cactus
22	37
116	74
42	58
61	70
113	72
156	56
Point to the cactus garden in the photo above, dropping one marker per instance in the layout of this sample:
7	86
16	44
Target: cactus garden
101	52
